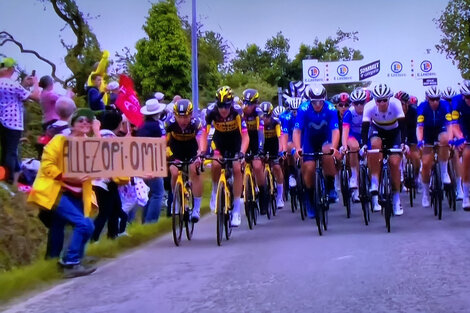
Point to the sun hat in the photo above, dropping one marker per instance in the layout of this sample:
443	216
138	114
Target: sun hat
159	96
152	107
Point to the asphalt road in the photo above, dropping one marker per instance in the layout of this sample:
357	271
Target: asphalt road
282	265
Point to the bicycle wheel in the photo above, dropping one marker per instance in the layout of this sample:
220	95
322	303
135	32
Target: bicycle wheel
409	174
437	190
325	203
220	211
268	193
364	193
188	223
274	196
177	214
386	195
452	188
228	226
293	199
344	180
318	202
248	201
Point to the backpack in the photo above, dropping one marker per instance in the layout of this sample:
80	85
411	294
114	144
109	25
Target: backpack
51	131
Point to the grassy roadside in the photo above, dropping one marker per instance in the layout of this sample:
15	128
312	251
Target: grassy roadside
42	273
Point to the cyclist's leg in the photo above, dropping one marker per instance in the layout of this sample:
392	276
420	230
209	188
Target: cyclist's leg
443	156
415	160
196	187
258	170
373	162
308	175
392	139
292	169
428	161
215	174
237	192
458	173
278	175
353	159
174	176
466	178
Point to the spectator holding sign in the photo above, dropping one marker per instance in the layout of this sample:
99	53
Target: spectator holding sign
153	127
70	199
12	96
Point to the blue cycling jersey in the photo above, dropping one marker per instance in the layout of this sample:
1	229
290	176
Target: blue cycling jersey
287	123
316	127
429	118
354	121
461	114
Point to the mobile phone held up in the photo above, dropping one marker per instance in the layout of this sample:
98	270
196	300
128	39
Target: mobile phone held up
33	73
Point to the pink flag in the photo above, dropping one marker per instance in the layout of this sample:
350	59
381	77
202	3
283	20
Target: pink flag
128	102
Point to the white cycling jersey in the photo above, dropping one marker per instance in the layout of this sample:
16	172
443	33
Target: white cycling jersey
385	120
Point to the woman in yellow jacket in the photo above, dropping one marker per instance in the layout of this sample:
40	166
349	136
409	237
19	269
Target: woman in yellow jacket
70	198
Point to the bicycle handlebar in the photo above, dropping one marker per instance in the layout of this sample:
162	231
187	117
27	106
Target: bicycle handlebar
385	150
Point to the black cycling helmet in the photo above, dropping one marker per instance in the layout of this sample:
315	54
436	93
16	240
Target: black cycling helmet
224	95
250	96
183	107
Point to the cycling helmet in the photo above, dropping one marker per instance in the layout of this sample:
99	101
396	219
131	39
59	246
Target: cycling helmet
358	95
250	96
448	93
183	107
343	98
335	99
224	95
433	92
402	96
266	107
413	100
465	88
315	92
299	88
278	110
294	103
381	91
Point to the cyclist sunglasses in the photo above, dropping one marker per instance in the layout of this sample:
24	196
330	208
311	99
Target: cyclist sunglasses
434	99
359	103
222	105
343	105
317	102
381	100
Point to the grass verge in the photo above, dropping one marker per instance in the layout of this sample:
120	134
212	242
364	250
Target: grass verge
42	273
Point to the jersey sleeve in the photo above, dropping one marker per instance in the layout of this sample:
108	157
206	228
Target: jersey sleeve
347	118
420	113
366	116
300	119
334	123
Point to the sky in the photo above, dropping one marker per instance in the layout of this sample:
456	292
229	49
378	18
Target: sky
398	29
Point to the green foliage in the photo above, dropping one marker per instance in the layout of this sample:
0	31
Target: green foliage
239	82
455	42
22	235
163	60
85	52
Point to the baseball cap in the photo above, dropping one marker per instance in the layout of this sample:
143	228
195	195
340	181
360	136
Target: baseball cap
7	63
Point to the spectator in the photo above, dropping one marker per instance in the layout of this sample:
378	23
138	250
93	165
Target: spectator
94	96
12	96
70	199
113	92
48	99
64	108
152	127
106	190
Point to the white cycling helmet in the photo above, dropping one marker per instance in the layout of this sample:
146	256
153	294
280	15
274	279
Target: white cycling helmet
279	110
381	91
358	95
465	88
294	103
448	93
315	92
433	92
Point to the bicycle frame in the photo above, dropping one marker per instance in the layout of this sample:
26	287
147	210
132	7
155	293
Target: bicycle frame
228	198
248	174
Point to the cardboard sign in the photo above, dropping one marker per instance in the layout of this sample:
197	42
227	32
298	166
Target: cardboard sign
113	157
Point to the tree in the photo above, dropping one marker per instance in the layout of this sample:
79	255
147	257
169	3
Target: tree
81	56
163	60
455	42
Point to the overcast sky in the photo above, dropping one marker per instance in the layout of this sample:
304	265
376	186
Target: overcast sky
387	29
